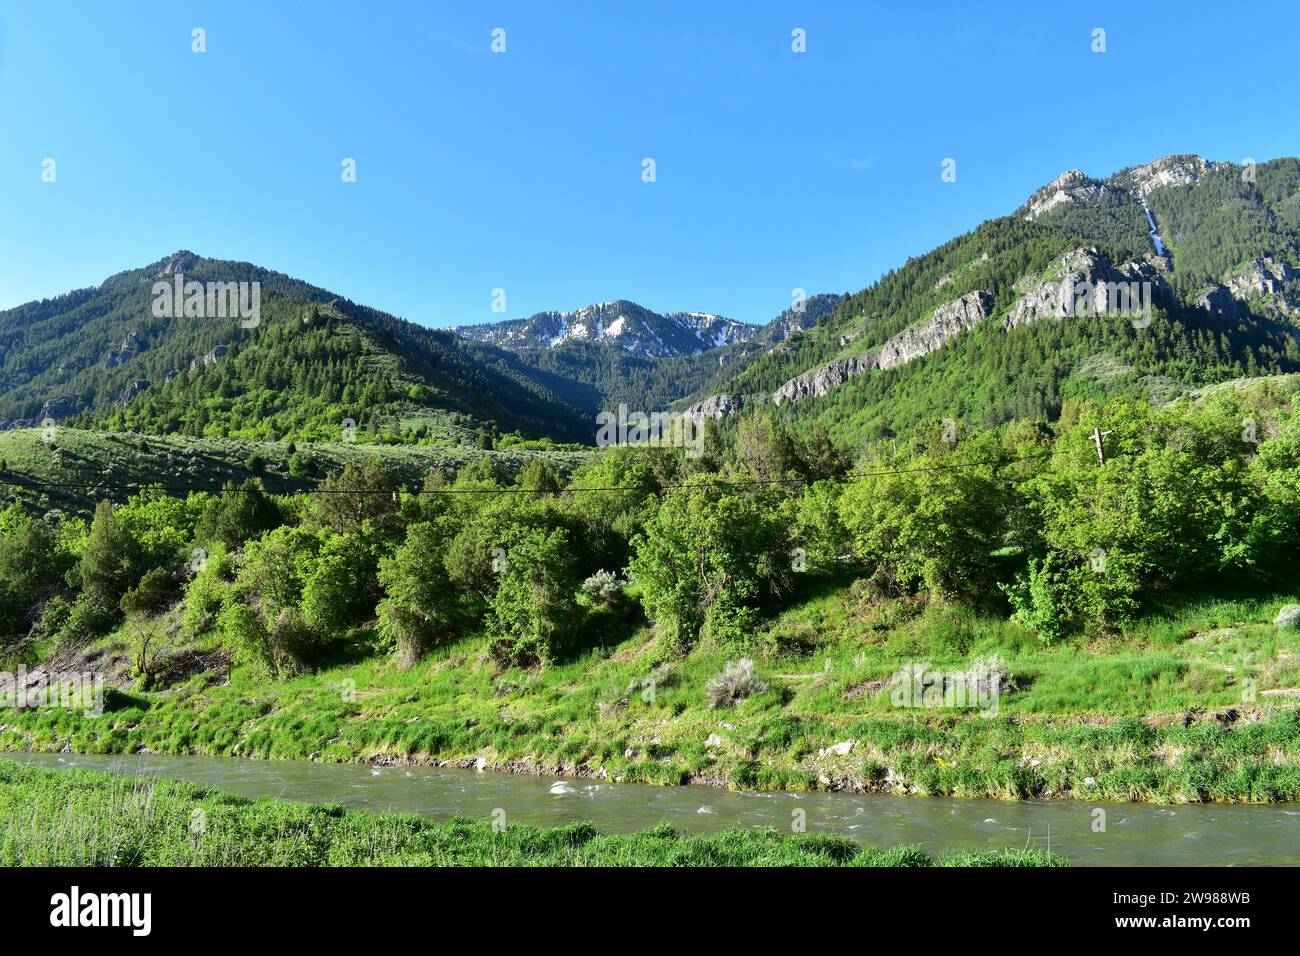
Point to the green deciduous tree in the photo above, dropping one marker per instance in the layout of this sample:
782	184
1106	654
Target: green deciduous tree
421	603
708	559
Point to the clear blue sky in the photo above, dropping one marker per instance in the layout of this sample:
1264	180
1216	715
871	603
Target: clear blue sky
523	170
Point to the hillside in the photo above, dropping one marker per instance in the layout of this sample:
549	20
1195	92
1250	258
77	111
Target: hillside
102	357
70	469
961	331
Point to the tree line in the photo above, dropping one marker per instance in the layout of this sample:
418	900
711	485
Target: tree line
1022	519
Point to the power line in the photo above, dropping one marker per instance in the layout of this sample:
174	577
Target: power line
755	482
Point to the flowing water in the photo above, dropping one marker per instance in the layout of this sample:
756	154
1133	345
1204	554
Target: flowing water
1155	233
1134	834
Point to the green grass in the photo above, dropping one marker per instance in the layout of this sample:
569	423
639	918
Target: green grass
87	818
1131	718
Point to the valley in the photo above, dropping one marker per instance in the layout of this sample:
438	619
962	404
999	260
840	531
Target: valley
337	537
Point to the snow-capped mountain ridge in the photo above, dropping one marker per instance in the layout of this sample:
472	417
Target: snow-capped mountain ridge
618	324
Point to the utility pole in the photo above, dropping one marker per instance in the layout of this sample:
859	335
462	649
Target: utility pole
1097	436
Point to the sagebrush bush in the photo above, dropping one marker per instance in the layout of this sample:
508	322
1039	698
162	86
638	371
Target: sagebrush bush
736	682
604	585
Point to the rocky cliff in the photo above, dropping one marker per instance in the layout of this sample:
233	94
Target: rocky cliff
1083	281
948	321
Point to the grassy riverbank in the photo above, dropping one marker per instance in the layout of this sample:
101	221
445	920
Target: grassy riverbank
86	818
1159	715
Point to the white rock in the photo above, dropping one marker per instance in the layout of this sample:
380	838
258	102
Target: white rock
842	749
714	741
1288	618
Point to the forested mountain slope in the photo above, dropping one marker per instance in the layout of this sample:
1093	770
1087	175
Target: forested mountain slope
103	357
959	332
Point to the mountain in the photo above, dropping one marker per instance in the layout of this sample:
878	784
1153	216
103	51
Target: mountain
1022	314
622	325
985	328
313	360
599	361
797	318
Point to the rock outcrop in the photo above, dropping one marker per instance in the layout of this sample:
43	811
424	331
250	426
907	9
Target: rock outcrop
1218	301
819	381
211	358
130	345
1266	279
1070	187
1084	282
948	321
134	389
180	261
715	406
1166	171
60	408
1265	282
1074	186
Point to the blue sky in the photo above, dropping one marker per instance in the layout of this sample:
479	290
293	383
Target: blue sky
522	170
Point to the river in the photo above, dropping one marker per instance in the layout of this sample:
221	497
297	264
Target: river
1134	834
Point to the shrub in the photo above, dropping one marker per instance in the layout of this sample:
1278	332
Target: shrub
206	593
534	603
604	585
151	595
736	682
109	563
87	619
707	559
278	649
